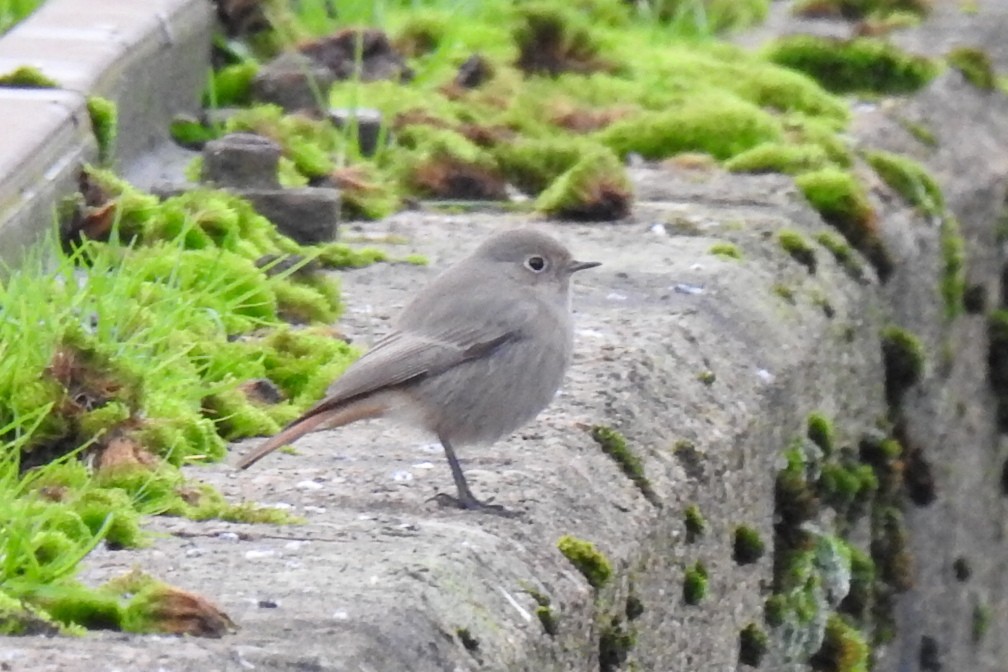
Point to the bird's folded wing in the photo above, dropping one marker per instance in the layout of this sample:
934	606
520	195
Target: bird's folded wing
401	357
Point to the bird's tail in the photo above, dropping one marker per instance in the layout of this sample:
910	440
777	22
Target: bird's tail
342	414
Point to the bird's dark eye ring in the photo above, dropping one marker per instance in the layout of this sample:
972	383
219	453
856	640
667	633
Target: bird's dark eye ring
535	263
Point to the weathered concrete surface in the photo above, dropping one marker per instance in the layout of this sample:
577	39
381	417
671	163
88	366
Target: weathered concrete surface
148	57
380	579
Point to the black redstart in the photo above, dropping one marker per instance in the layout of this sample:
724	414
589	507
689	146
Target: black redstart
474	356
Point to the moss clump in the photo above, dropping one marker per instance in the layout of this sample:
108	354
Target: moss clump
231	85
795	244
907	178
785	292
747	545
614	445
753	645
775	157
544	613
860	9
533	164
615	643
720	125
695	583
975	66
844	649
695	523
27	77
903	359
708	16
843	203
586	559
552	40
980	623
842	252
843	485
919	131
820	432
953	278
728	250
862	585
104	121
596	188
857	65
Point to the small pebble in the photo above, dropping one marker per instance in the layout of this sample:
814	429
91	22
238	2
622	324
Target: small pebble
308	485
268	604
258	555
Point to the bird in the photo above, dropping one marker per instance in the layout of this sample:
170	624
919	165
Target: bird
476	354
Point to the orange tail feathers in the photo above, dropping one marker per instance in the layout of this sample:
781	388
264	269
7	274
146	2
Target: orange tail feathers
331	418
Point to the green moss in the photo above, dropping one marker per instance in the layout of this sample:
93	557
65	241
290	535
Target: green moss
844	648
18	618
708	16
747	546
707	377
544	613
615	642
953	278
889	549
728	250
820	431
532	164
596	188
860	9
695	583
720	125
552	39
857	65
784	292
104	121
795	244
842	252
231	85
919	131
862	585
776	157
27	77
586	559
614	445
843	203
975	65
842	485
909	179
753	645
903	358
695	523
980	622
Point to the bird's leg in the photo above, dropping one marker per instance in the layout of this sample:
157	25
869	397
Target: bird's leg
465	499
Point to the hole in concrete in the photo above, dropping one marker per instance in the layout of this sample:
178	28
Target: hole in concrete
918	478
962	569
929	661
975	299
468	641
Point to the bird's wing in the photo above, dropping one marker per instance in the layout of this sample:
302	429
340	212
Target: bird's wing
401	357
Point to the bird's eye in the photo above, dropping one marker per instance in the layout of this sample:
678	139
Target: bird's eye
535	263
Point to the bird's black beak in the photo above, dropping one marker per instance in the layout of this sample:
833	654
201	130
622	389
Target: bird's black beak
575	266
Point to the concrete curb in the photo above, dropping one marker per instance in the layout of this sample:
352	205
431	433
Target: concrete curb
150	58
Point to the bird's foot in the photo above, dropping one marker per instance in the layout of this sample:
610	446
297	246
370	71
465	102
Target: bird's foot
472	504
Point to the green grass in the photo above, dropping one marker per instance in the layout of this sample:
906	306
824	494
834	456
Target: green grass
567	85
138	354
13	11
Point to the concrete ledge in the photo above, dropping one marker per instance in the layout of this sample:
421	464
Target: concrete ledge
149	57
